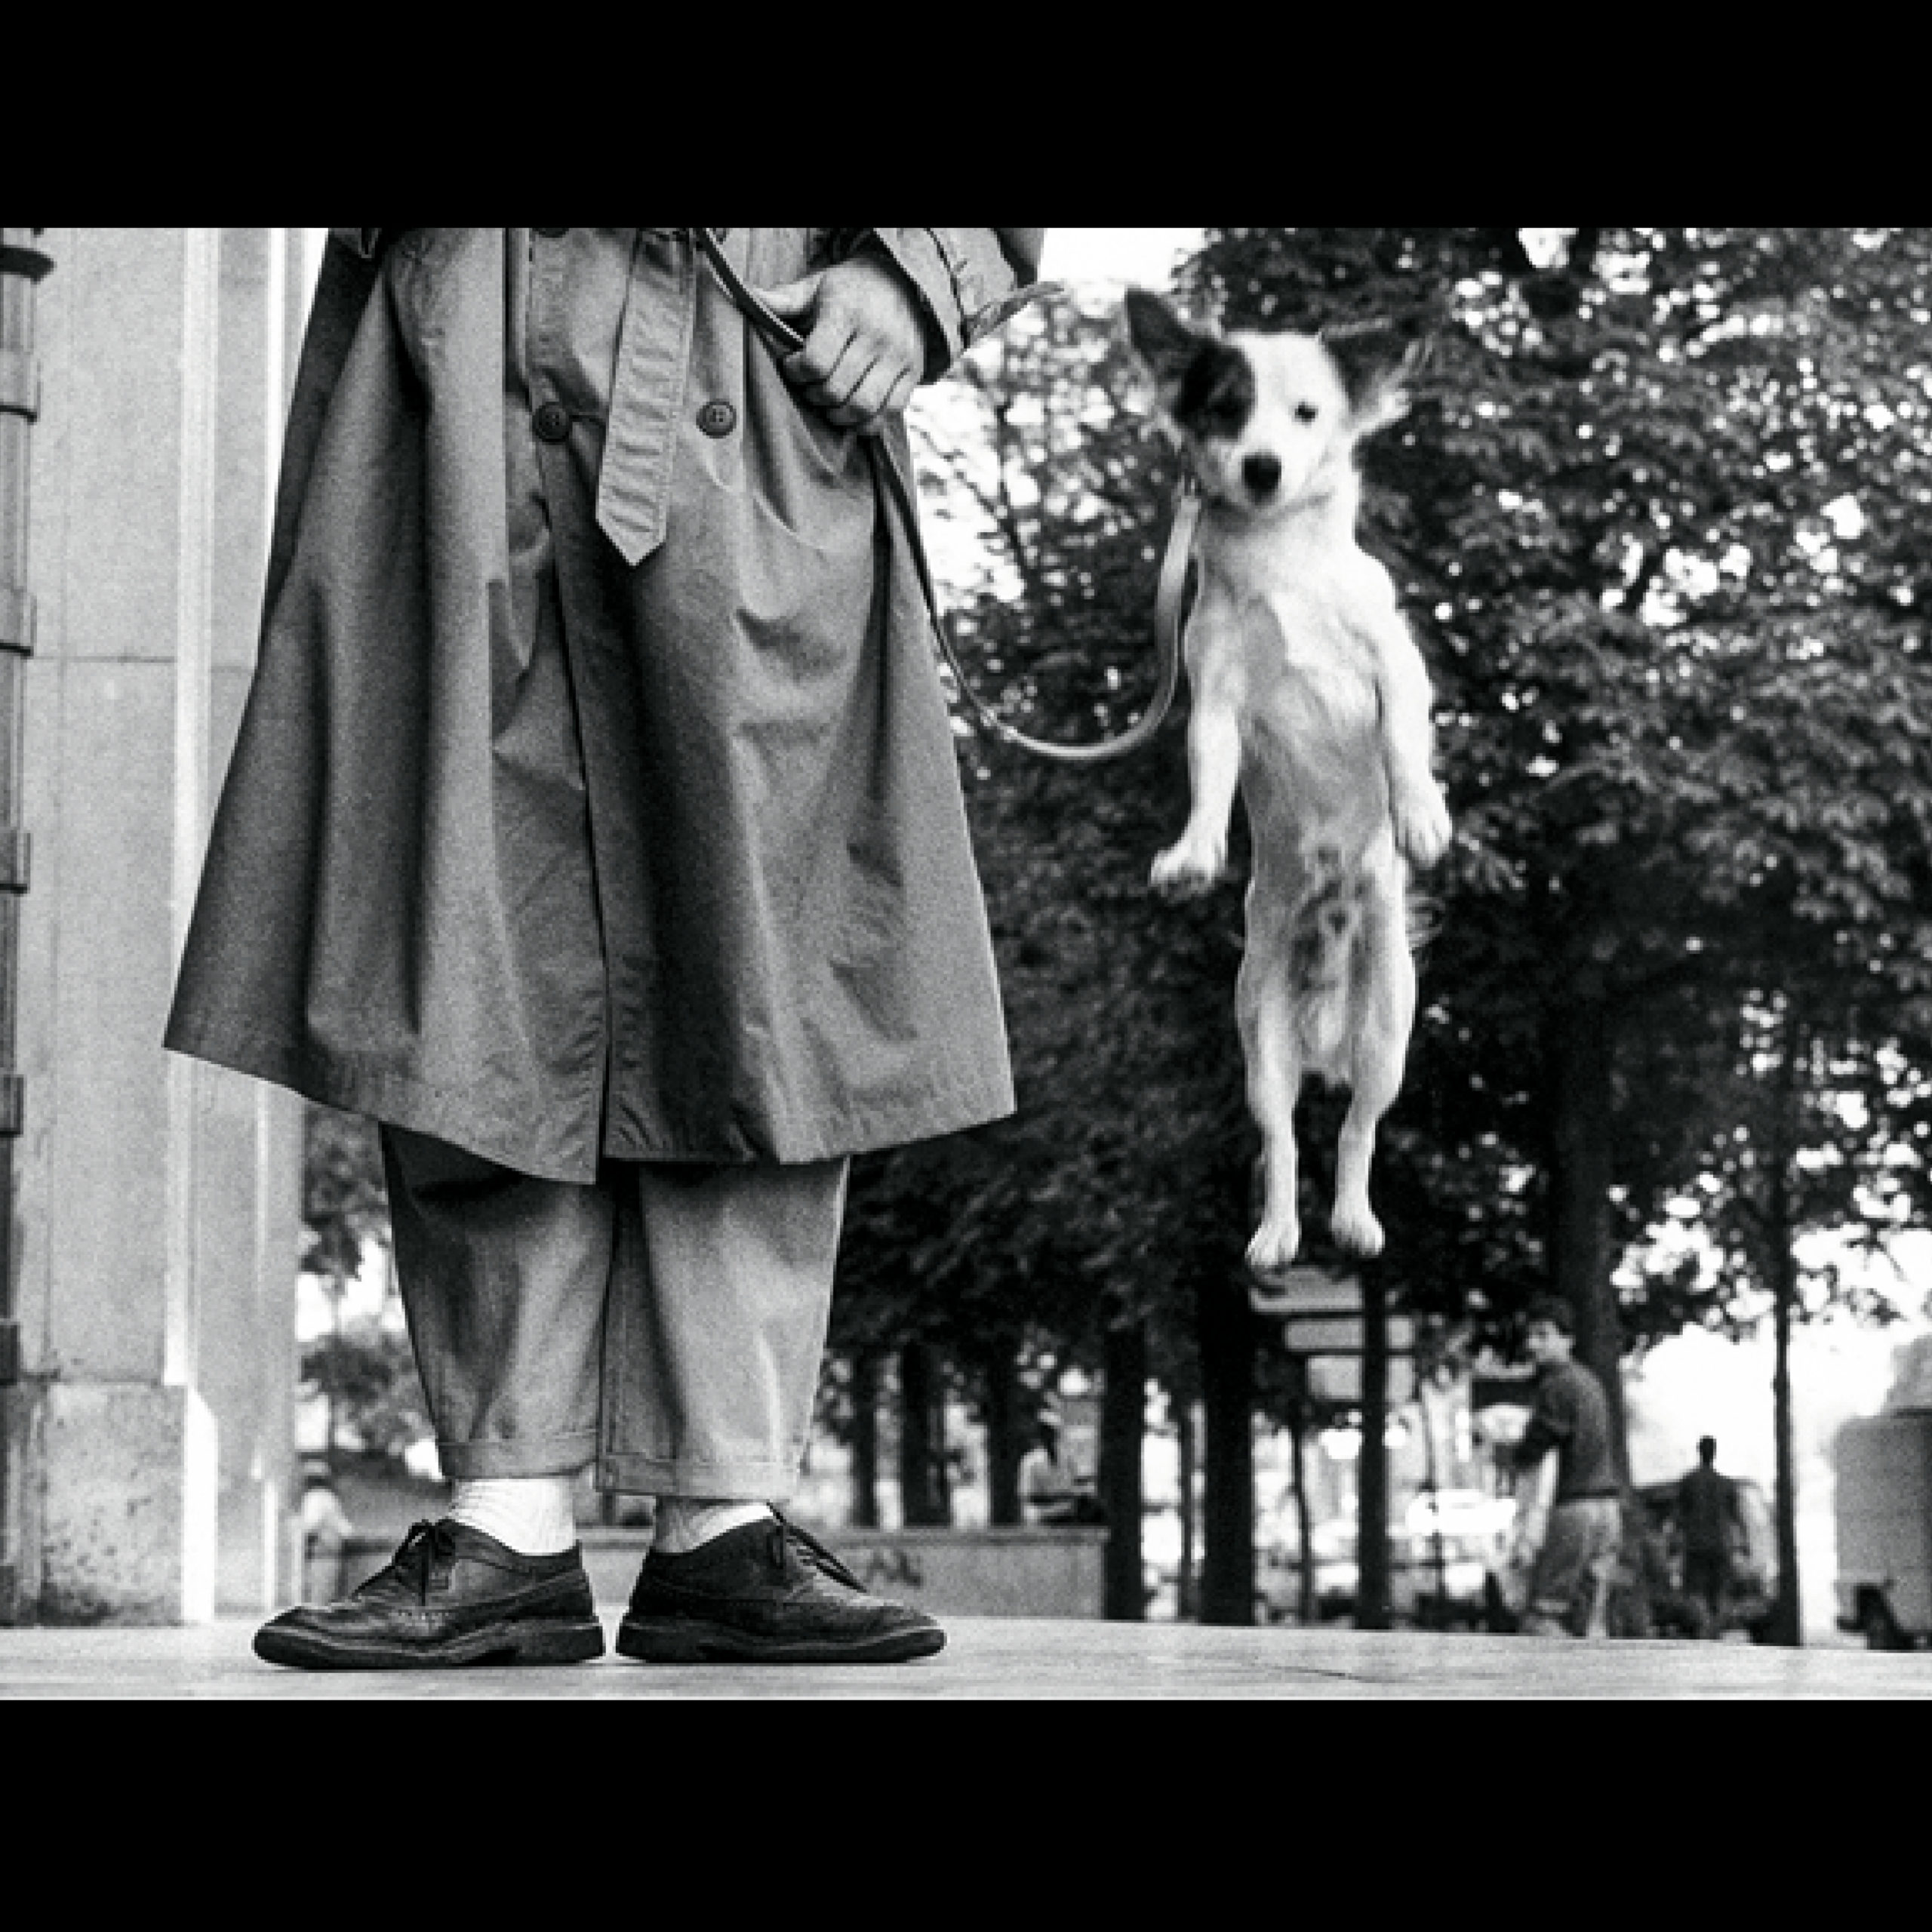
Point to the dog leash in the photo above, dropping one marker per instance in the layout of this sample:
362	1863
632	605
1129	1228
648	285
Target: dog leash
1170	597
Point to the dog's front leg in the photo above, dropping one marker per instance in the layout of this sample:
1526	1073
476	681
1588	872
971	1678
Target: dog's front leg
1196	861
1418	813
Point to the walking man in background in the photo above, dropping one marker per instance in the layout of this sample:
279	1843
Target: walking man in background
1711	1518
1569	1587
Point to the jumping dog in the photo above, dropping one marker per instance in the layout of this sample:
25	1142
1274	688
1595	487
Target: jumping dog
1310	697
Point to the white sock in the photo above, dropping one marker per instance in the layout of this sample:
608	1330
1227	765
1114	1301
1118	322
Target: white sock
533	1515
684	1522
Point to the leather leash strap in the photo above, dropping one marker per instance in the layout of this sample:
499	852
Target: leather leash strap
1169	599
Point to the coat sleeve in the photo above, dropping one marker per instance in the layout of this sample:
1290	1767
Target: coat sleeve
969	280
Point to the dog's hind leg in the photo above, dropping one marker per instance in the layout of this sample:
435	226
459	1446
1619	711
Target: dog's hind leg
1384	1003
1272	1044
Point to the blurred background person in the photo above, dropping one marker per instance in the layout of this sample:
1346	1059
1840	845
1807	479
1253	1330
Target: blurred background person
1569	1586
1712	1522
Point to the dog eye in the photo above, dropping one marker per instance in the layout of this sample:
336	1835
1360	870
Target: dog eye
1306	413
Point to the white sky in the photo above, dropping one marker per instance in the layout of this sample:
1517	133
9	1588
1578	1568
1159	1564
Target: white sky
1143	255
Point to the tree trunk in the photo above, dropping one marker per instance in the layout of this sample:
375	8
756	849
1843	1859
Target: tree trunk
1187	1603
922	1501
1582	1056
1787	1622
338	1294
1227	1342
1123	1429
1372	1604
999	1410
865	1441
942	1464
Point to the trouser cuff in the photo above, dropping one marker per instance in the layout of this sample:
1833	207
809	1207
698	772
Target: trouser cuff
541	1456
709	1482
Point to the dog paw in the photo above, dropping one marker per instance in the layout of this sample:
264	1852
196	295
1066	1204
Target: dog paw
1423	831
1273	1251
1188	870
1356	1230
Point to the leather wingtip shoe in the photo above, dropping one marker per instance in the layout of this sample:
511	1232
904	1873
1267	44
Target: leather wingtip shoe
451	1595
768	1593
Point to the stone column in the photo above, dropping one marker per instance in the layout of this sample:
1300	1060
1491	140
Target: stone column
246	1211
159	1199
23	262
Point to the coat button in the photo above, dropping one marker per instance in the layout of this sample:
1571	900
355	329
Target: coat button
553	421
553	233
717	418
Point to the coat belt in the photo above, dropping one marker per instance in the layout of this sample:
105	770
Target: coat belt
646	396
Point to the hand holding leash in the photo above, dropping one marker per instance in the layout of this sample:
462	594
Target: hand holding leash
785	343
864	350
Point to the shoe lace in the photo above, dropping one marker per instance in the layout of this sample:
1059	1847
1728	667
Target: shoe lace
425	1557
814	1553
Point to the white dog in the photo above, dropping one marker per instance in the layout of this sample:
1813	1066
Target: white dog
1310	695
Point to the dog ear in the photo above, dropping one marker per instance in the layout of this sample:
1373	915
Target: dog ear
1377	360
1161	339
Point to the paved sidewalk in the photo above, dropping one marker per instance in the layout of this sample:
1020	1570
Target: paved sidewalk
989	1658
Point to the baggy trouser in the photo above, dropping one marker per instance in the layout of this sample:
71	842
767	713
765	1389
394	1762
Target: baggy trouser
1570	1589
664	1326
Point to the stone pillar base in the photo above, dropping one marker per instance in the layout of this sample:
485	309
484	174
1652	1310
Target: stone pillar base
130	1484
20	1514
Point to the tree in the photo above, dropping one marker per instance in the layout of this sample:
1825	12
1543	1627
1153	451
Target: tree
1619	519
1660	518
345	1205
1689	693
366	1373
345	1215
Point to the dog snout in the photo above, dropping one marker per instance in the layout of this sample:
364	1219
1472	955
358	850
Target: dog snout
1261	474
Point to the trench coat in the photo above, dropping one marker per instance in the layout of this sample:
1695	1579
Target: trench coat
774	948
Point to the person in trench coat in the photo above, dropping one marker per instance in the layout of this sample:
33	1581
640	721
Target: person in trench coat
594	826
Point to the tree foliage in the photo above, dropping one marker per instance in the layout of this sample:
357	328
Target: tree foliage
1660	518
366	1373
345	1207
1660	521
